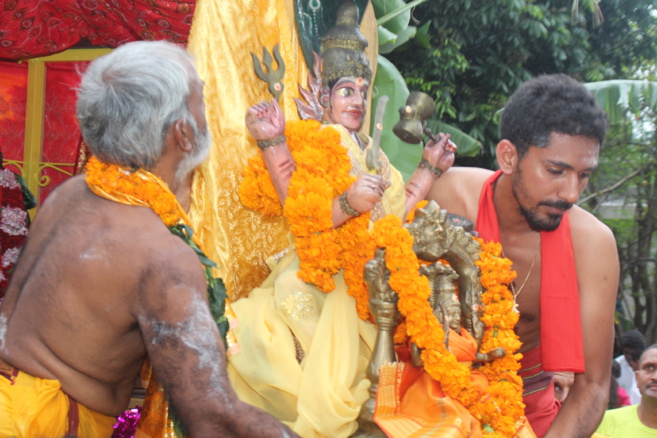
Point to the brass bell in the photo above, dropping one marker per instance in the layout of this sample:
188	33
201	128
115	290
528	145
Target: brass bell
412	117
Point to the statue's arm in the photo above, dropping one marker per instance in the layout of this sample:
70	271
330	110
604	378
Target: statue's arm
266	123
437	157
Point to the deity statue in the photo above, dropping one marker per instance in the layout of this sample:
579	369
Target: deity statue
467	354
305	334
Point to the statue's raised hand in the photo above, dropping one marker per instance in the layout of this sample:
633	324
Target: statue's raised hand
265	120
439	153
366	191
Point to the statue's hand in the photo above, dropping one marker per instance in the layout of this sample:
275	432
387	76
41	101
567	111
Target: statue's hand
366	191
376	276
265	120
440	153
496	353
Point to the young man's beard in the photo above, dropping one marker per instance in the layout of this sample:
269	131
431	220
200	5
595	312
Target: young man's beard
536	223
531	215
199	153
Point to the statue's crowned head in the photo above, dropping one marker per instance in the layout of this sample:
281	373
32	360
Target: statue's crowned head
342	48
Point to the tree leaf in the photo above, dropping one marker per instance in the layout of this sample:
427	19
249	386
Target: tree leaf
403	37
395	14
618	96
386	37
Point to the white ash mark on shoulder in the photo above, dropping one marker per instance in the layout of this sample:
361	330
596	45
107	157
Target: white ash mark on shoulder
3	333
198	332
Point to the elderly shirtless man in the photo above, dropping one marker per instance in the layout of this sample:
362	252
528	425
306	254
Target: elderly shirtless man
566	259
102	283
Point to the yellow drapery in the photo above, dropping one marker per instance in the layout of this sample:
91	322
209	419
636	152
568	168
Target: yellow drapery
223	34
31	407
322	395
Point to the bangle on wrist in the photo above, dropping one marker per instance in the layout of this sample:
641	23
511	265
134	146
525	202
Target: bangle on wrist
344	205
436	172
264	144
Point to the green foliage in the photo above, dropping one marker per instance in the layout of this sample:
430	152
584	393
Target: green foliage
470	56
619	96
392	14
394	32
481	51
627	178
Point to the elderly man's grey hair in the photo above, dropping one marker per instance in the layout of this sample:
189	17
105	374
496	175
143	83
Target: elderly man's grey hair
129	98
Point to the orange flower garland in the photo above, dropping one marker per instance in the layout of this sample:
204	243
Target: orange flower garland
257	190
323	173
138	187
501	406
500	317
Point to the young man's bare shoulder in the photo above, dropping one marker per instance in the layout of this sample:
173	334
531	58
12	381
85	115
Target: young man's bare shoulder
458	189
589	233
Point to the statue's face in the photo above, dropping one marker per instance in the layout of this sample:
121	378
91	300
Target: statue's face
427	241
348	103
454	311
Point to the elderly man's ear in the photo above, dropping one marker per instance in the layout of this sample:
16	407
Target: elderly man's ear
182	134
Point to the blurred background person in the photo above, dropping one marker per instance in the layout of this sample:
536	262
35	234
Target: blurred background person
639	420
617	395
632	345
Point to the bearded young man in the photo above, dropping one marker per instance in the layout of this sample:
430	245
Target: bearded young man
566	259
103	284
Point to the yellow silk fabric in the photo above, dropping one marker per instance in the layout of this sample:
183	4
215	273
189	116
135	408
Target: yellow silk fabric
32	407
223	34
322	395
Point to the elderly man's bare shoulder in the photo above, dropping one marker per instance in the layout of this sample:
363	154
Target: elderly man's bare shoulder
104	236
458	189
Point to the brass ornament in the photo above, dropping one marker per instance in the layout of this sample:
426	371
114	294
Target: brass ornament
412	125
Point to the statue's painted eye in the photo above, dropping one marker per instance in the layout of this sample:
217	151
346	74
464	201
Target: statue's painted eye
344	92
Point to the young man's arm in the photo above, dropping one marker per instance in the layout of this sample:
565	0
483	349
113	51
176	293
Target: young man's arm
186	349
598	274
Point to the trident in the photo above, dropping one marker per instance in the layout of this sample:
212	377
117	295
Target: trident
272	77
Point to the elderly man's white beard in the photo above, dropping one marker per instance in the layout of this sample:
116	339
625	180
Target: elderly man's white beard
199	153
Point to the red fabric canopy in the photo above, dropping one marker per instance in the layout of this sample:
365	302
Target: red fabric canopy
31	28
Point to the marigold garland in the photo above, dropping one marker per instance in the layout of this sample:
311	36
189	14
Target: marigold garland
501	406
136	187
322	173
